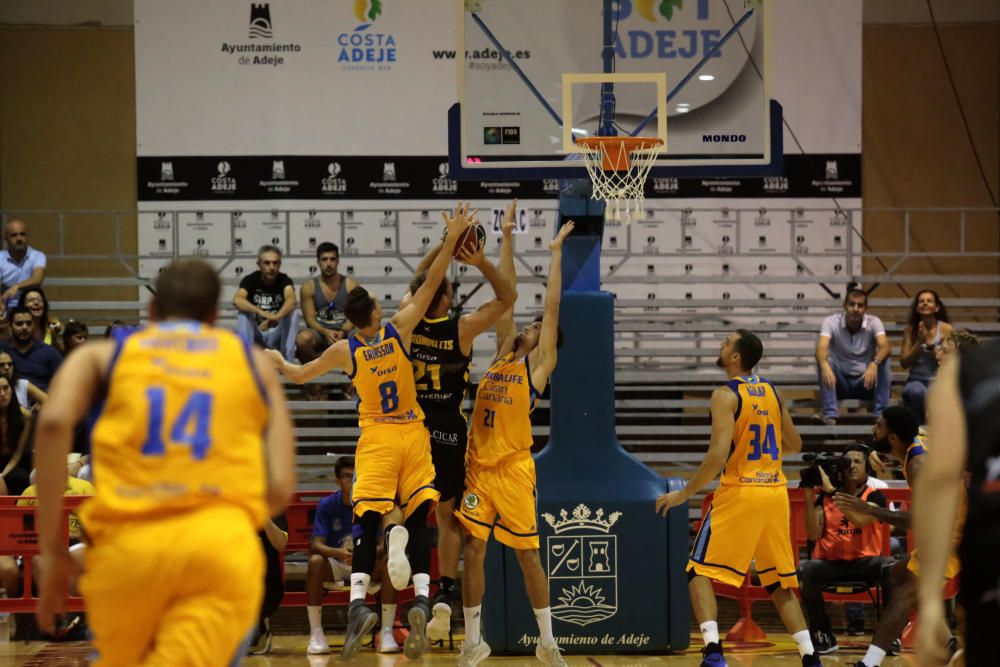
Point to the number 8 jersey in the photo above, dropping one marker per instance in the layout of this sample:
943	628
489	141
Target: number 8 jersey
383	378
755	453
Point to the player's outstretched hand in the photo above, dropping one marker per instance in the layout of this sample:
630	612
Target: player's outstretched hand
847	502
456	223
564	231
668	501
509	217
54	571
471	258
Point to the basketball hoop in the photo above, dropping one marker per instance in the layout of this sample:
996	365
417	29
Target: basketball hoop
618	168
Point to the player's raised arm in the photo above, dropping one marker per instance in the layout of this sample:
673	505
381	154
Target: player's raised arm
544	356
473	324
724	403
505	328
335	357
71	394
425	263
279	438
410	315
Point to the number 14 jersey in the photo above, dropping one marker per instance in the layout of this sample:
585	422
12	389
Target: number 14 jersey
755	452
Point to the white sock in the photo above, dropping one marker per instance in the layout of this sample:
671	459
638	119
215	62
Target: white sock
359	585
544	618
710	632
805	642
422	584
388	616
874	656
315	613
472	626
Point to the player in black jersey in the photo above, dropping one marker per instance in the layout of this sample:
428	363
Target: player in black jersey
965	420
441	351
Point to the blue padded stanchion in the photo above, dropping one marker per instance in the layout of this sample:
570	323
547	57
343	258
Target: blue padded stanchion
616	568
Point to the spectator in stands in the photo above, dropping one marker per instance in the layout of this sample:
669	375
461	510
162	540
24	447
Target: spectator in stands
274	538
21	266
266	301
927	327
27	393
114	326
323	299
330	560
34	360
44	328
74	335
852	358
848	546
15	436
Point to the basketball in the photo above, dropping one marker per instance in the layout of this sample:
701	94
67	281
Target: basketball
472	239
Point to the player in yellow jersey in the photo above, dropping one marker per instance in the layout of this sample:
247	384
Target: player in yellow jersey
897	432
500	479
749	518
192	451
393	458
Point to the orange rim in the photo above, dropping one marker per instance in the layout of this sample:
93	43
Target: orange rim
616	151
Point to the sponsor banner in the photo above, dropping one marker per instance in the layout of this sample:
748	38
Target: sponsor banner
240	178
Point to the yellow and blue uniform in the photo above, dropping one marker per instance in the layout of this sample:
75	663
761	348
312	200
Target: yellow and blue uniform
749	517
916	449
500	482
393	459
174	570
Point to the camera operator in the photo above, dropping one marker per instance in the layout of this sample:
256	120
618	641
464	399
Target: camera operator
848	544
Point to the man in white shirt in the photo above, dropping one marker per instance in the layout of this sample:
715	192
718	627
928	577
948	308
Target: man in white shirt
852	358
21	266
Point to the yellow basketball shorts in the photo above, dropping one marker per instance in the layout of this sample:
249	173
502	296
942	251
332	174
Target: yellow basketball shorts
744	524
183	589
502	499
393	465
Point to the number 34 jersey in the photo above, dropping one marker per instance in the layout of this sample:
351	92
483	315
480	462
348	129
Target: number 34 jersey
383	377
755	453
180	427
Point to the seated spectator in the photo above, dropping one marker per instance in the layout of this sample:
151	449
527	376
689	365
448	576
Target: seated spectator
273	538
21	266
848	546
27	394
15	435
927	327
74	335
958	340
323	299
331	546
266	304
852	358
44	328
114	326
34	360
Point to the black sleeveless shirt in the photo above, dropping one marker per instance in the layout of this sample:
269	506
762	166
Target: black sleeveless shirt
979	383
441	371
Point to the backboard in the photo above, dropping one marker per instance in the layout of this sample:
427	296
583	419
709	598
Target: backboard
534	74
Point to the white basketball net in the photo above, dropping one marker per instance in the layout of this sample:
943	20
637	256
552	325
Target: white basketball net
620	189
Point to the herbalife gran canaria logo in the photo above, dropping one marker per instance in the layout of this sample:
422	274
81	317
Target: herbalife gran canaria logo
582	564
364	48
